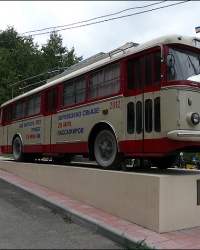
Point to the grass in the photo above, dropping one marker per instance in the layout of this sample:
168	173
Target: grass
6	155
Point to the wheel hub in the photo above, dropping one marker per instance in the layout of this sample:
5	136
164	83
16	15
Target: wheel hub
106	149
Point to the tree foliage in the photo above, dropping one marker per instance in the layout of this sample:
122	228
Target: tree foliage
21	59
56	55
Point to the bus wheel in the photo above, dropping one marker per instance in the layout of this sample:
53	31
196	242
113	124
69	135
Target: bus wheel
164	162
67	158
58	160
105	151
17	149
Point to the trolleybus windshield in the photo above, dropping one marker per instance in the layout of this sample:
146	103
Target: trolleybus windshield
183	65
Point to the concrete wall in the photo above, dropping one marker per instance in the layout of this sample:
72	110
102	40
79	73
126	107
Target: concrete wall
161	200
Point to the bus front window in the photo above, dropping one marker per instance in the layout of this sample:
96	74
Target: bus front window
183	65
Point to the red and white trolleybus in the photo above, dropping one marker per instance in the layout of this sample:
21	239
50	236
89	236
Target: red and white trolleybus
138	101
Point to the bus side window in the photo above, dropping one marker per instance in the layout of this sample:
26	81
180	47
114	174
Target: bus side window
8	111
33	105
148	115
74	91
19	109
139	73
157	67
51	100
68	94
148	70
130	118
157	123
80	89
130	74
105	81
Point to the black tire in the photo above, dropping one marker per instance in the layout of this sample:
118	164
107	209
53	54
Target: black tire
18	149
164	162
67	158
58	160
106	152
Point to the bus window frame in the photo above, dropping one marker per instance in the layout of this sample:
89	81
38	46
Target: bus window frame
103	69
3	114
52	110
25	104
74	92
143	86
27	101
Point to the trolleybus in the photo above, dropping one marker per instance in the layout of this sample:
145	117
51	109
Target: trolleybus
138	101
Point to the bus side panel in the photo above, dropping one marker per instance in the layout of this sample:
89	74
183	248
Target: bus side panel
5	139
174	109
29	131
47	127
74	125
170	111
33	136
5	147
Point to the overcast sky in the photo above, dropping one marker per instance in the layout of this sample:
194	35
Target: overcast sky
24	16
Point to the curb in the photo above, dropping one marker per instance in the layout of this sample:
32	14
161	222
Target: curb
85	221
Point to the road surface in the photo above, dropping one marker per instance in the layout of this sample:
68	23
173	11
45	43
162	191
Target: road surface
27	225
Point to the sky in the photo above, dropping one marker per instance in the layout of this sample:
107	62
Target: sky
136	21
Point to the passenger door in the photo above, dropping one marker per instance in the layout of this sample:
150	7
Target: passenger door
143	107
7	119
50	119
151	100
134	136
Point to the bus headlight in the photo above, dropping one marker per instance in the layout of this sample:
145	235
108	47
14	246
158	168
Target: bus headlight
195	118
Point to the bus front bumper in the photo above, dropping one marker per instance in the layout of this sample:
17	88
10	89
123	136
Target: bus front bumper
184	135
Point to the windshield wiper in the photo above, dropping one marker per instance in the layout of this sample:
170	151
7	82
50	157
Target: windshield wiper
189	59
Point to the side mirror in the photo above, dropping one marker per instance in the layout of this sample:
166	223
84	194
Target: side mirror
172	71
170	61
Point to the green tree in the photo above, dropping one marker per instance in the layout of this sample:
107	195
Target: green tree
56	55
21	60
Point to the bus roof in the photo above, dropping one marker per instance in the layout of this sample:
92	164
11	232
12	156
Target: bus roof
101	59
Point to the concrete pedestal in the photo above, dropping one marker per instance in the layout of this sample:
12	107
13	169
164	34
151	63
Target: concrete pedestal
160	200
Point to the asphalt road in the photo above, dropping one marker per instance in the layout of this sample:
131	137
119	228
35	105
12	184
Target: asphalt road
25	224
